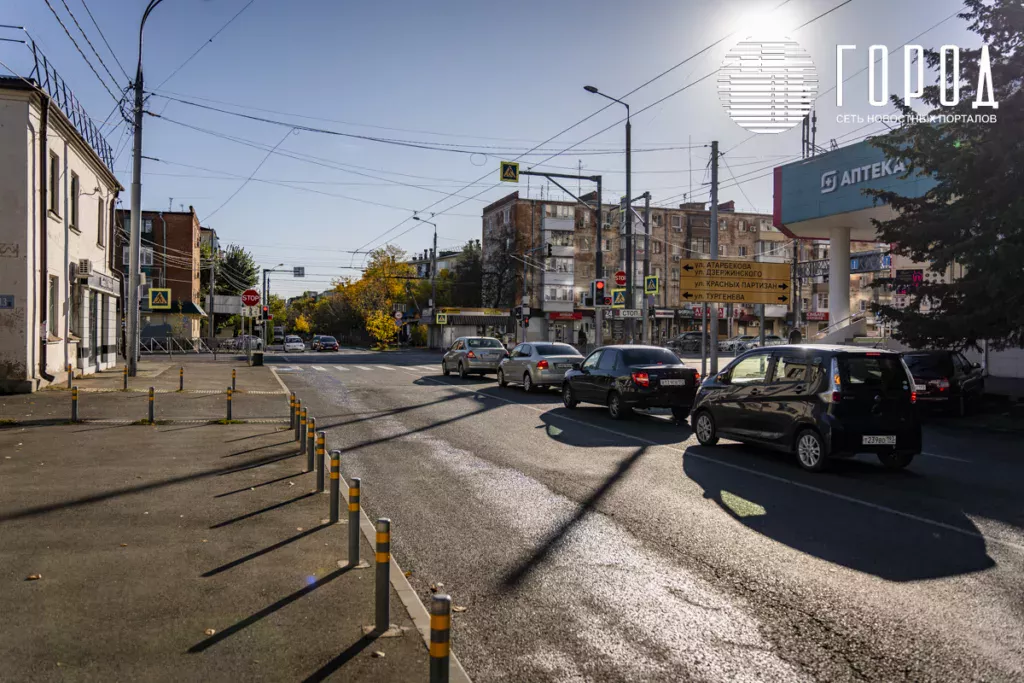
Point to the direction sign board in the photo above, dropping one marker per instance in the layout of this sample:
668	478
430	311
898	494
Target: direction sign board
250	311
620	278
159	299
299	271
250	297
734	282
628	313
509	172
651	284
618	298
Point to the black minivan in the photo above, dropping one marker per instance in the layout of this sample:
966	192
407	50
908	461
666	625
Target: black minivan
816	401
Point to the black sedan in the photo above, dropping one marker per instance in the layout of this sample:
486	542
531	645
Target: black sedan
628	377
946	379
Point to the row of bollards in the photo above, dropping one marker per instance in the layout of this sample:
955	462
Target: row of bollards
152	404
314	443
181	378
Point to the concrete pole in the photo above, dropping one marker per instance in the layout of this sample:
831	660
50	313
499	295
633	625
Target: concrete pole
646	333
628	217
599	270
839	274
713	340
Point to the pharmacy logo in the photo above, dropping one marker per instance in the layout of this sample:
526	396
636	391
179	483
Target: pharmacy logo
767	86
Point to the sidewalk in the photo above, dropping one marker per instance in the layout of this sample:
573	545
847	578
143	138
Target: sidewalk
179	552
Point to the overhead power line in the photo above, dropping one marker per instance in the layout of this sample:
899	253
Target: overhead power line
91	46
104	38
75	43
254	172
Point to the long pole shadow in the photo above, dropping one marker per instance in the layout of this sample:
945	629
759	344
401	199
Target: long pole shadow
261	484
336	663
266	611
221	525
260	448
264	551
513	578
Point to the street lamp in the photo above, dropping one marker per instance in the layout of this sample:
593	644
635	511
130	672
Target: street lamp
135	235
630	255
433	264
266	300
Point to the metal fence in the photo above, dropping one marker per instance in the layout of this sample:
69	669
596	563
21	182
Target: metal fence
172	345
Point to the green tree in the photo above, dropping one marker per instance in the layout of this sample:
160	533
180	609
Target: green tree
277	309
236	271
468	286
974	217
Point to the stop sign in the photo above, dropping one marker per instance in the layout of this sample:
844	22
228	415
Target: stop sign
251	297
620	278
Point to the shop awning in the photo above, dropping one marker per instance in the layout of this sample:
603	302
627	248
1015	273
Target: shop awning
480	320
186	308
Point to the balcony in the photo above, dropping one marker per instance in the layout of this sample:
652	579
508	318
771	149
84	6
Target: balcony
558	277
564	224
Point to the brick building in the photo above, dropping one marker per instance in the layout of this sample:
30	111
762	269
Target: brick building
170	258
557	287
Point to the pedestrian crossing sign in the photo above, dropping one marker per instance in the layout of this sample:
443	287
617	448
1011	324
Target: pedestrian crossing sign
509	172
159	299
651	284
618	298
441	319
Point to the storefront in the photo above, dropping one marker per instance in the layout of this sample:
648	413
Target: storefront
565	326
470	322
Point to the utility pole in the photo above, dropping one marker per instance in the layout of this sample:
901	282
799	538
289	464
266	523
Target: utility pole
630	252
213	294
645	333
599	270
713	340
433	272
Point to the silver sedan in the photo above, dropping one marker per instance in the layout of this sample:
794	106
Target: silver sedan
538	364
473	355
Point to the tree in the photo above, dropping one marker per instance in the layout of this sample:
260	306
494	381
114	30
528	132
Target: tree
467	288
277	309
383	281
499	269
974	217
301	325
382	327
237	271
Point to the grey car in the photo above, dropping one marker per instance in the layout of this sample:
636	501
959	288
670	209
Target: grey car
469	355
538	364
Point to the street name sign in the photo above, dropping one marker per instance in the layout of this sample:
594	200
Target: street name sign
734	282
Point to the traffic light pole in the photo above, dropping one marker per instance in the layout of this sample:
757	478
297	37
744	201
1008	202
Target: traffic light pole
646	332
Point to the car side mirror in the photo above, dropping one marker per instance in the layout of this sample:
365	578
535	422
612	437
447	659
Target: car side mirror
723	378
976	366
577	366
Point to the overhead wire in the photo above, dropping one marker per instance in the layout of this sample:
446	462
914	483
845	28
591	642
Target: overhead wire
251	175
104	38
77	47
91	46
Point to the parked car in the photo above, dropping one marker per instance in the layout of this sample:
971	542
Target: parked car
687	342
294	343
632	376
538	364
314	344
468	355
326	343
734	344
945	379
817	401
769	340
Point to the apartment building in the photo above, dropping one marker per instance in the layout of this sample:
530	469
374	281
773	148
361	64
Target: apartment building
58	291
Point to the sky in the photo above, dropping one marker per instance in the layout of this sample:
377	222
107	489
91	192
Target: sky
482	81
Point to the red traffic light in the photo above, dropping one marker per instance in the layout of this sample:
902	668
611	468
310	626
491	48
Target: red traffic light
599	285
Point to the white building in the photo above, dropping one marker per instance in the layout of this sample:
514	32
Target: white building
58	291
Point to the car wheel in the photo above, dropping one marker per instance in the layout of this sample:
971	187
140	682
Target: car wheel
527	383
680	413
810	451
704	426
616	408
462	371
502	382
444	369
568	397
895	461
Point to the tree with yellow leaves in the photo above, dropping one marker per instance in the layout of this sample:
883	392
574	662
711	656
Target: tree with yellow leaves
382	327
301	325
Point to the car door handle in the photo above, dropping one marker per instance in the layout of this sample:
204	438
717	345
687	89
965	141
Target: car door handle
798	390
754	392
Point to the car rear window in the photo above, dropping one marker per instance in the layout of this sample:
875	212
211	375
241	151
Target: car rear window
555	350
329	340
928	362
877	372
484	344
649	357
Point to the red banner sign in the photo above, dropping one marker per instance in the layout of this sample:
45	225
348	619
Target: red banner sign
563	315
817	316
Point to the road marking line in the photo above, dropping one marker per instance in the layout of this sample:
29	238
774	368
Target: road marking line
782	480
945	457
363	367
341	368
320	368
384	367
273	371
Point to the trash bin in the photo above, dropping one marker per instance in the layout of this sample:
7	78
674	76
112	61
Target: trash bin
257	359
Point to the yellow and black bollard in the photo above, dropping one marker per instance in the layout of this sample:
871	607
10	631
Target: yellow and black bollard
440	637
298	412
181	379
71	375
335	486
353	521
321	450
232	378
230	391
383	583
74	404
303	420
291	410
125	384
310	444
152	406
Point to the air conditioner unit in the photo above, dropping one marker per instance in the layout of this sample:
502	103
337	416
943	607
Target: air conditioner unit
676	257
84	267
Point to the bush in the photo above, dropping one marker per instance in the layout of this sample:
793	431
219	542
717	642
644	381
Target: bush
418	335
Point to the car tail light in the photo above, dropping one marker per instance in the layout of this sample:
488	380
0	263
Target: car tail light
837	397
641	379
913	397
470	355
542	365
942	384
696	376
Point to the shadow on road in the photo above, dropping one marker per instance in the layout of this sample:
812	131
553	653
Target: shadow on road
336	663
837	527
264	551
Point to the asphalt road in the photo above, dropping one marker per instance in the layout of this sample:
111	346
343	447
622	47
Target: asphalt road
585	549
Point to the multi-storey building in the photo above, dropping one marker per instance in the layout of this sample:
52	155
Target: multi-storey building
58	291
544	253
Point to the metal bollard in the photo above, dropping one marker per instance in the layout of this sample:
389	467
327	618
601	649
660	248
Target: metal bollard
232	378
303	422
125	387
335	486
152	407
229	402
298	412
291	411
383	584
71	376
74	404
353	521
321	449
440	637
181	379
310	443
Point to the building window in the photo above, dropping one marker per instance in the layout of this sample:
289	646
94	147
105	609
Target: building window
54	305
558	264
723	250
722	225
559	294
742	250
560	238
145	257
656	220
675	274
677	223
656	247
606	245
147	225
101	235
73	200
54	183
559	211
700	245
821	301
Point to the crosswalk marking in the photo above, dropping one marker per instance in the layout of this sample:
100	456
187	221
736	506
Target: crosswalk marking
384	367
341	368
321	369
362	367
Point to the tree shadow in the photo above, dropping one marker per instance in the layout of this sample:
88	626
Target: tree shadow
513	578
836	527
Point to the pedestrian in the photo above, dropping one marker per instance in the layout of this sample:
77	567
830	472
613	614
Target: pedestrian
583	338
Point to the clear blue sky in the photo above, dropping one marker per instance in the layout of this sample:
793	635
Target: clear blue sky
459	73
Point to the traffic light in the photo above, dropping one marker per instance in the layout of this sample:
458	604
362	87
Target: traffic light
270	317
518	312
597	292
526	321
266	310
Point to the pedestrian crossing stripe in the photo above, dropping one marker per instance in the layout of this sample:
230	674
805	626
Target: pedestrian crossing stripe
317	367
362	367
385	367
340	368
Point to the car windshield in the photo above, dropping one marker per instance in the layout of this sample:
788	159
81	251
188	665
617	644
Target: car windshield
292	340
329	340
555	350
928	362
877	372
649	357
484	343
